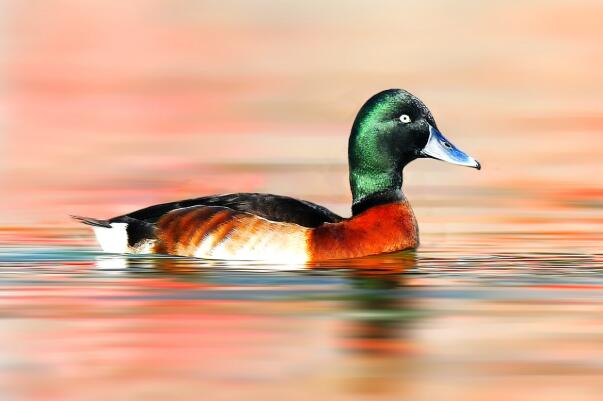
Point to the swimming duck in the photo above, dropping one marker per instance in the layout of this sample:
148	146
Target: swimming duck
391	129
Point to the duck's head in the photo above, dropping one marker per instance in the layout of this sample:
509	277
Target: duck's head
392	129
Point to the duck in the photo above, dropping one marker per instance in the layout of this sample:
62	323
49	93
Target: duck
391	129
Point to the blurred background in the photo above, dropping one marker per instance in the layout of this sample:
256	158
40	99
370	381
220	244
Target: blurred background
107	107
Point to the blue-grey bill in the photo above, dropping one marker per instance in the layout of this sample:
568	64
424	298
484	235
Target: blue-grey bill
438	147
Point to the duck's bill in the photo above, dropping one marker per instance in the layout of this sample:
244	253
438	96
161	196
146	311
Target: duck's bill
438	147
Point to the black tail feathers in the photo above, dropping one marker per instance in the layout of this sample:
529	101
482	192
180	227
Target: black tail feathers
92	222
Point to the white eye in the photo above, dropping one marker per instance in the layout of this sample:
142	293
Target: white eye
405	118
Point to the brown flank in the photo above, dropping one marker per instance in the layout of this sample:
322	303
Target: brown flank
181	231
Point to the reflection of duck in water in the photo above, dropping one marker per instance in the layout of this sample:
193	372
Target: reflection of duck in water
392	129
378	310
376	333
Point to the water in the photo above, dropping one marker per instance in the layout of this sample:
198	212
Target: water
433	324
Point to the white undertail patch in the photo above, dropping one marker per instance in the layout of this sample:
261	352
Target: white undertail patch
114	239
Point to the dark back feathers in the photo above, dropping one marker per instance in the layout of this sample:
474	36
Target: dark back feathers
271	207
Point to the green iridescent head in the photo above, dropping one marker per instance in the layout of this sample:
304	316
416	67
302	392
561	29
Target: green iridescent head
392	129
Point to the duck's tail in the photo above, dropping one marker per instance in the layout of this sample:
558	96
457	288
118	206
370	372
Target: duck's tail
112	237
91	222
122	235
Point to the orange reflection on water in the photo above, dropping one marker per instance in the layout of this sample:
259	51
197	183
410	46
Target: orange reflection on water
450	327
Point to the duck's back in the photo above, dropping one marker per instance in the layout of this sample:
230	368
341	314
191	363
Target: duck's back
272	207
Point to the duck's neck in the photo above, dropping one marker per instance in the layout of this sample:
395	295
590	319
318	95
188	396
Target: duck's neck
369	190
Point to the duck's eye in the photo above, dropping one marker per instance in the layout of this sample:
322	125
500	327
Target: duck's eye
405	118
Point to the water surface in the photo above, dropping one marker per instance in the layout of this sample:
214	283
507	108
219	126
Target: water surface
432	324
